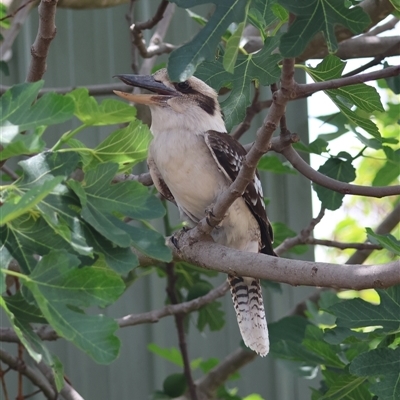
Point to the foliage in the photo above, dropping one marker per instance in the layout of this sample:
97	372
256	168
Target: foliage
71	228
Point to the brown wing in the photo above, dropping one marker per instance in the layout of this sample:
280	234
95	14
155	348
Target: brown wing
229	155
158	181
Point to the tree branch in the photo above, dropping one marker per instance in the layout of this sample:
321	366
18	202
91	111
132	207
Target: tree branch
36	378
342	187
305	89
67	392
46	33
144	178
343	245
210	255
386	226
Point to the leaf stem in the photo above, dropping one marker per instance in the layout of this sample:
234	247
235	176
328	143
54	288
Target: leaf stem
66	136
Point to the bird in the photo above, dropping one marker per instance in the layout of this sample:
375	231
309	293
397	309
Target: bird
192	160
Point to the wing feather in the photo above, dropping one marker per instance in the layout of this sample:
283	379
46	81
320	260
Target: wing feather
229	155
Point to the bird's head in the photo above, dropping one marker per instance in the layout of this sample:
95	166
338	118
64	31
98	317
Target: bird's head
189	104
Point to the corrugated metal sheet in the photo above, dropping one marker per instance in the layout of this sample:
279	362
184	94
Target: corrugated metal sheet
89	48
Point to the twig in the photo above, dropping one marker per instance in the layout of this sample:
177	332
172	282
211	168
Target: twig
343	245
342	187
308	88
378	59
208	384
180	327
145	178
12	32
302	237
386	226
46	33
387	26
94	90
11	15
138	40
9	172
36	378
67	392
181	308
3	382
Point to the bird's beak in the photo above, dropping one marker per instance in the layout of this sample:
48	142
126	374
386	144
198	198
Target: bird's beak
162	93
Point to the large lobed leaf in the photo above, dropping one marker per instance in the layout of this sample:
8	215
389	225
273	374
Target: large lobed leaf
183	62
314	16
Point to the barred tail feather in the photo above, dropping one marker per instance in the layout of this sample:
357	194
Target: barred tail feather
249	307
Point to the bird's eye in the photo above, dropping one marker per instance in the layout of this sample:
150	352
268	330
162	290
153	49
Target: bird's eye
183	86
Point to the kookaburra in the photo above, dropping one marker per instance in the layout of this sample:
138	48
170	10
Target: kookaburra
192	160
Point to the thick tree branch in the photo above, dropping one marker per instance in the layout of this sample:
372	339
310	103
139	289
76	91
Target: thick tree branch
341	187
46	33
36	378
210	255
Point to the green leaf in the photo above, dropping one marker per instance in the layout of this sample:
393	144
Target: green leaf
390	171
282	232
288	329
261	67
358	313
17	114
4	68
341	169
388	241
59	287
109	112
317	16
175	385
147	241
16	144
211	315
318	146
26	236
380	362
314	342
126	147
365	97
28	201
171	354
183	61
344	386
232	48
198	289
274	164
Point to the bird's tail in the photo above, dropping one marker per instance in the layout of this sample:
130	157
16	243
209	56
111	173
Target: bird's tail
249	307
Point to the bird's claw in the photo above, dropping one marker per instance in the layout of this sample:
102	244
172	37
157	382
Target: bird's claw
209	214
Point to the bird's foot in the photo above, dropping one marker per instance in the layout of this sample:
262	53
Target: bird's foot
175	238
209	215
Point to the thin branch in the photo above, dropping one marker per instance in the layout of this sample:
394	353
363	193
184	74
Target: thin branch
342	187
46	33
145	178
67	392
306	89
208	384
303	236
12	32
94	90
47	333
36	378
386	226
343	245
180	327
13	14
9	172
138	40
387	26
377	60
